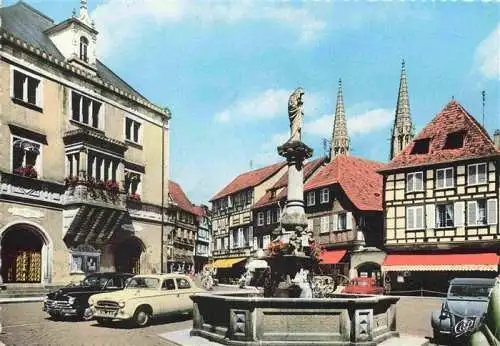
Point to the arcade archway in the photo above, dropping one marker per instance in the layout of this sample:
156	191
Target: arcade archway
24	254
128	255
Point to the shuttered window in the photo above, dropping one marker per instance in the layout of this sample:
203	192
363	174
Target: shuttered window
459	209
492	211
476	174
311	200
260	218
482	212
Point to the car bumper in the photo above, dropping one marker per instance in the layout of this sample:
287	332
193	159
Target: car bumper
110	314
60	311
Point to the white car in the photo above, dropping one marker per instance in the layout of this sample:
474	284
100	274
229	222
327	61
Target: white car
145	297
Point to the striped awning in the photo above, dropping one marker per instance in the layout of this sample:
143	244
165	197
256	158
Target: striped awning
487	261
227	262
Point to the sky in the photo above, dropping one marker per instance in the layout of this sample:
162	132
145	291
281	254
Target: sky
226	69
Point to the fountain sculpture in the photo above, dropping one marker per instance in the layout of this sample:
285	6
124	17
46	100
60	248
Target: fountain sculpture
287	313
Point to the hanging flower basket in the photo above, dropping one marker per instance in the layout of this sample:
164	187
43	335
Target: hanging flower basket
135	197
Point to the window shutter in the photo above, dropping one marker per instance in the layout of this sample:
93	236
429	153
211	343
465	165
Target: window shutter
492	212
430	215
250	235
419	217
410	217
231	239
458	211
330	226
316	225
335	220
471	213
409	182
440	178
348	220
419	181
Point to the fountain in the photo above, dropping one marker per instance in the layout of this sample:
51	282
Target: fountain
287	313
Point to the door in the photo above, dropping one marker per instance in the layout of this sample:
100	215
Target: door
185	291
169	299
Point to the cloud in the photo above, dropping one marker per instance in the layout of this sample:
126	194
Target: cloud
365	122
121	20
268	153
269	104
487	55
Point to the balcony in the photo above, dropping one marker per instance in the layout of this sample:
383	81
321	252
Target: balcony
88	191
15	186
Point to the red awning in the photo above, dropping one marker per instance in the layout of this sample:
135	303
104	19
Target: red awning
332	256
441	262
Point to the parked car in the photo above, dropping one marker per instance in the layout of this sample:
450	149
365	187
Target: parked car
462	311
72	300
145	297
489	333
363	285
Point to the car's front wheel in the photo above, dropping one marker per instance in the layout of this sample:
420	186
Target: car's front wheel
437	337
142	316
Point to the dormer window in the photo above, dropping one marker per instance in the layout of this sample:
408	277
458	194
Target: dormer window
454	140
84	44
421	146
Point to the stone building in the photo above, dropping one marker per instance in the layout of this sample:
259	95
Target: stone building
441	205
75	193
232	218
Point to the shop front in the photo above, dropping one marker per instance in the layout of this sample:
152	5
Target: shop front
229	270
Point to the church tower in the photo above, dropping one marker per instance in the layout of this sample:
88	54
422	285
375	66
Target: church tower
340	138
402	131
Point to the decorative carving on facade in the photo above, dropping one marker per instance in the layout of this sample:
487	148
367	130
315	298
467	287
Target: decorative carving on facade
26	212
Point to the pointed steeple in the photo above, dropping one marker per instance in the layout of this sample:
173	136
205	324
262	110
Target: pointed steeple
402	131
340	138
84	13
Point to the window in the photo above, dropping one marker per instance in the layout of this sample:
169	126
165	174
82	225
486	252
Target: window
26	88
414	182
249	196
260	218
218	244
311	198
477	174
444	215
342	221
26	160
415	217
116	282
265	241
420	146
132	184
168	284
182	283
85	110
268	217
276	215
444	178
132	130
482	212
84	44
82	262
324	225
324	196
454	140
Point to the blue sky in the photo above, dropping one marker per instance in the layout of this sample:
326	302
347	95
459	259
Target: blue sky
225	69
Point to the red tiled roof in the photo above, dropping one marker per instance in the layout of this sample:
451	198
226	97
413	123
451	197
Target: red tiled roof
268	198
199	211
179	197
452	118
357	177
249	179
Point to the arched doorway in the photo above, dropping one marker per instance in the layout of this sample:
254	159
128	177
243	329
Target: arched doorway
24	254
370	269
128	255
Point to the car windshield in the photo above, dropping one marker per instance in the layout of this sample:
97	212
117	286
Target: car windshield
143	282
95	280
469	291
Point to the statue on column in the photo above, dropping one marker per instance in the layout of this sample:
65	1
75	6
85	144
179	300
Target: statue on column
296	114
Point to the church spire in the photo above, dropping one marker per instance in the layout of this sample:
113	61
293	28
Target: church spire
340	138
84	13
402	131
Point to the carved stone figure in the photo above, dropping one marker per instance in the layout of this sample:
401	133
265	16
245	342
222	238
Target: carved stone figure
296	114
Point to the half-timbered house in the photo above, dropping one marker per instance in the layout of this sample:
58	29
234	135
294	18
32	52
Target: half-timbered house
441	205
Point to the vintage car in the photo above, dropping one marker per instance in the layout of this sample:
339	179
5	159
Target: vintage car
363	285
489	333
145	297
463	310
72	300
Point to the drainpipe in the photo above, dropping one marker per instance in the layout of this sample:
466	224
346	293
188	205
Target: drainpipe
164	118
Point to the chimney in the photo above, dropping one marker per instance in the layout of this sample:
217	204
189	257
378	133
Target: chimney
496	138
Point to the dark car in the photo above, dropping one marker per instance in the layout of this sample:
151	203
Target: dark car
363	285
463	309
72	300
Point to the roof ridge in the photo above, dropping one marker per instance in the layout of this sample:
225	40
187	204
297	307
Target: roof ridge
32	9
475	123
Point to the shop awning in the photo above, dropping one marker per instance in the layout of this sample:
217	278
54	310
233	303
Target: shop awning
487	261
227	262
332	256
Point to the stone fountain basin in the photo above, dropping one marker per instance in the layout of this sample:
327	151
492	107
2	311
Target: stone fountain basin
234	318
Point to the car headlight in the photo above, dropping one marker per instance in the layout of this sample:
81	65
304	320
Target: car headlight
71	300
91	301
121	304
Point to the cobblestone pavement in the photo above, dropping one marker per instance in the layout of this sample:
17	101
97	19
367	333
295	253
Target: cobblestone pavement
25	324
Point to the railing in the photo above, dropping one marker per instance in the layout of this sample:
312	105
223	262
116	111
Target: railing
30	188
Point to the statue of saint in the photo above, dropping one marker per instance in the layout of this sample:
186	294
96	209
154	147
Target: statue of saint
296	114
